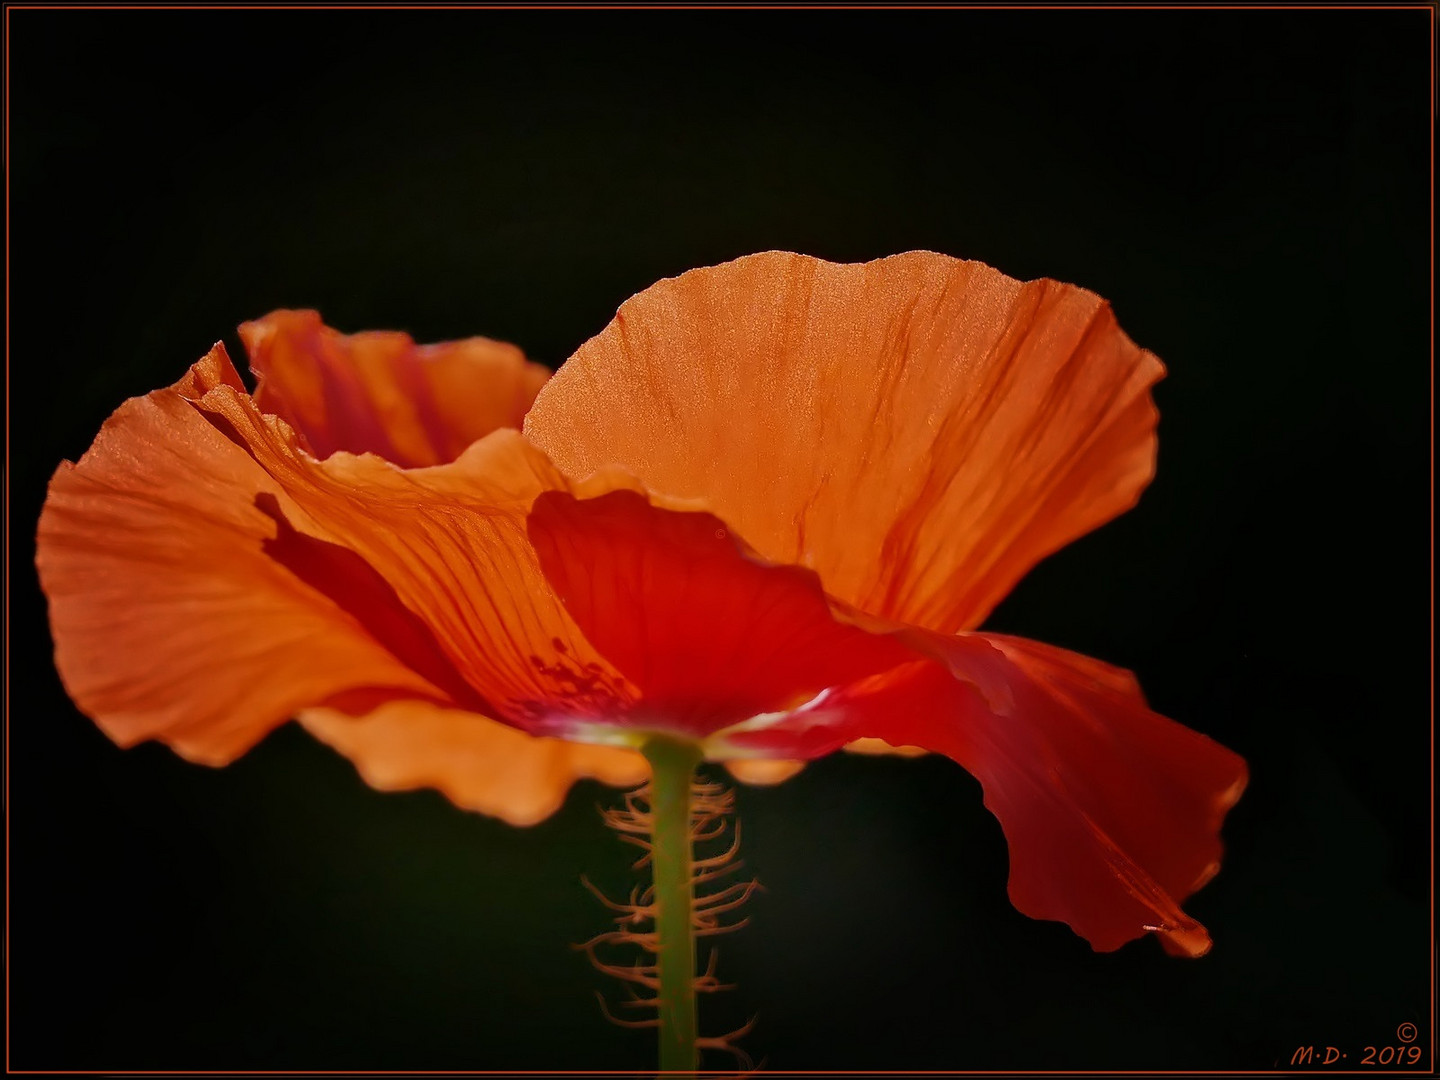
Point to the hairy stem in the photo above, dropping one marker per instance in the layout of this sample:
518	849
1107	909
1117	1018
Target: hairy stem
672	763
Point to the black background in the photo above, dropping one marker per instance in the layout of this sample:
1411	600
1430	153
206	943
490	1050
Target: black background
1251	191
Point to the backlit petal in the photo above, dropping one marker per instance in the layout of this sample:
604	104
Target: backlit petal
171	614
450	542
919	430
763	770
475	762
1112	812
378	391
708	634
879	747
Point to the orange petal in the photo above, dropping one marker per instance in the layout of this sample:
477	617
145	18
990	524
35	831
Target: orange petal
475	762
763	771
918	429
1112	812
450	542
378	391
586	617
171	617
879	747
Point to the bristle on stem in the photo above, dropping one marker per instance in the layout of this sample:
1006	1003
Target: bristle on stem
667	818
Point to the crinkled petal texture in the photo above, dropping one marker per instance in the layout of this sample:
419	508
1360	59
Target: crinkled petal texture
919	430
204	588
163	600
840	470
1112	812
265	583
379	392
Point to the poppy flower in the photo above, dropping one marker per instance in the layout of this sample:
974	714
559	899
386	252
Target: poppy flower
762	515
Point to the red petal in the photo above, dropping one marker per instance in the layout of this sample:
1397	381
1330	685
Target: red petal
710	635
1112	812
379	392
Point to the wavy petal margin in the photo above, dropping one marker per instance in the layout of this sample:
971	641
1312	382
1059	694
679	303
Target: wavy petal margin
379	392
1112	811
208	577
208	580
476	763
164	603
919	430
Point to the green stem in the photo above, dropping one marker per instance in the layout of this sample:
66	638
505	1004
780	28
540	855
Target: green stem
672	763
